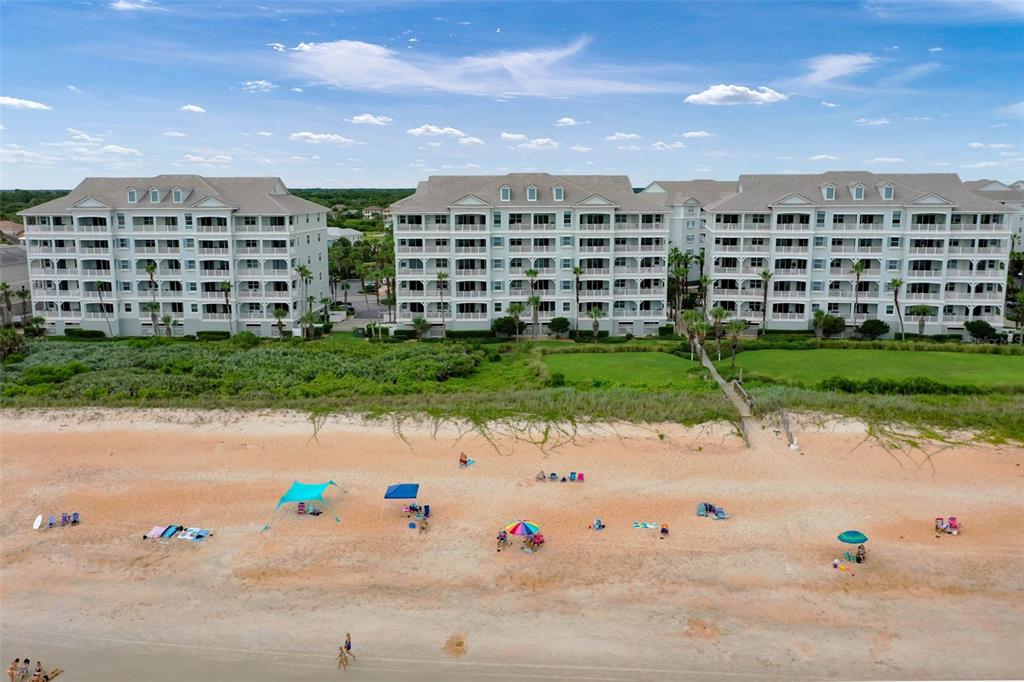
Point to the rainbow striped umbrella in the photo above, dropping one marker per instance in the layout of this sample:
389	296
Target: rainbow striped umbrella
522	528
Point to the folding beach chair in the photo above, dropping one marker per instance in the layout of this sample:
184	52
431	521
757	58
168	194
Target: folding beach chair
52	521
702	509
301	509
720	514
579	477
553	476
65	518
74	518
572	475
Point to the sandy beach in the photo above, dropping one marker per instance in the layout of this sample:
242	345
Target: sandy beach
753	597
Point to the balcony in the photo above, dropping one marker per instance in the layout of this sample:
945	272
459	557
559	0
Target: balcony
924	274
599	249
595	293
469	249
222	274
472	294
926	250
470	272
468	316
791	272
620	270
207	251
790	294
788	316
97	273
792	249
216	316
922	296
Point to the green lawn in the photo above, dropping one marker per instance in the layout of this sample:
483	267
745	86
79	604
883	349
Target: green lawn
651	370
812	366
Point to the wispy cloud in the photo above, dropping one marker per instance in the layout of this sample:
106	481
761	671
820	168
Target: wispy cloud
828	67
908	74
728	95
993	145
883	121
514	137
919	11
265	133
194	108
617	137
567	121
1015	110
824	157
538	144
431	130
276	47
828	105
317	138
216	160
629	147
82	136
470	140
935	49
697	133
173	133
370	119
15	103
543	72
258	86
885	159
580	148
136	5
668	146
74	88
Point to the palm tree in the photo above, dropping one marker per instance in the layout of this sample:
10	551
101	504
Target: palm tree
531	274
679	274
920	312
225	288
1020	313
895	285
421	326
100	285
442	284
675	257
857	270
700	262
151	271
690	320
25	295
534	303
168	322
279	315
361	272
514	311
685	261
308	321
345	286
819	323
735	328
576	272
326	313
5	297
718	315
702	329
766	277
595	314
305	277
153	309
705	288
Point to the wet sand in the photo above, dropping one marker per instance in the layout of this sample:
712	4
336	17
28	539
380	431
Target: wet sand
754	597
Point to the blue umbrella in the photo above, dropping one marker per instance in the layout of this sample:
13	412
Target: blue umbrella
852	537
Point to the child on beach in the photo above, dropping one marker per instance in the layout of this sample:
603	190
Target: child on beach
342	658
502	539
348	645
13	669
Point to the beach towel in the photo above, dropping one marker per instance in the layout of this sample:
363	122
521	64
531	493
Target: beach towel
156	532
201	534
470	462
169	533
644	524
188	534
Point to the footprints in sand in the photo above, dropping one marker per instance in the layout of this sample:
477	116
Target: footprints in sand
456	646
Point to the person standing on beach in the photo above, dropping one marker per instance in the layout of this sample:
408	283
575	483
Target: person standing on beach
13	670
342	658
348	645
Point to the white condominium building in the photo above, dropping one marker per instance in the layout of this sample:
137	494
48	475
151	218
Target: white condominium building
487	233
948	245
688	201
1008	195
90	253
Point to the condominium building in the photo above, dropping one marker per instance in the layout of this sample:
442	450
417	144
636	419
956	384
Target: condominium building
214	254
947	244
488	234
688	200
1008	195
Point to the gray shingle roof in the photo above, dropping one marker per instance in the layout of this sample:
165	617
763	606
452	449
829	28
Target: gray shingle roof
12	255
438	192
757	192
1001	195
704	191
251	196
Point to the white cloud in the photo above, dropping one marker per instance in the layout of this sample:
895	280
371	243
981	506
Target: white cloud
580	148
828	105
432	130
539	143
469	139
697	133
728	95
265	133
16	103
13	154
514	137
82	136
317	138
432	144
668	145
219	159
142	5
629	147
704	169
173	133
617	137
917	118
872	121
370	119
885	159
824	157
935	49
297	90
1015	110
994	145
828	67
567	121
194	108
258	86
74	88
276	47
548	72
119	150
985	164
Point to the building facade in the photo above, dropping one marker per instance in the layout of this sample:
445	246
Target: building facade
948	245
14	271
688	201
498	240
214	254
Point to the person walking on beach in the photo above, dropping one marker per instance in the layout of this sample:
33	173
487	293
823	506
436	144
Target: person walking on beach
342	658
348	645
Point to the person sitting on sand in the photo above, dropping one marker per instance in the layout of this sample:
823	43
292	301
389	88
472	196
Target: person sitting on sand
502	539
52	674
37	676
25	669
463	460
664	529
862	554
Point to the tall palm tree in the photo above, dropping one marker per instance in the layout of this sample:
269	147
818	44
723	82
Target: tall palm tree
702	329
735	328
895	285
153	309
819	323
279	315
857	270
514	311
534	303
168	322
920	312
679	274
100	286
361	272
26	303
325	314
685	261
699	258
705	288
595	314
690	319
345	286
531	274
576	272
225	288
718	315
5	298
1020	314
766	277
675	257
308	321
442	284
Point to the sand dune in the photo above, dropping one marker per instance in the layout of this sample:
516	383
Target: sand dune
753	597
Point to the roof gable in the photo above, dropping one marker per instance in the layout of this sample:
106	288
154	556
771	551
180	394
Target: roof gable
470	200
596	200
210	202
930	199
794	199
89	202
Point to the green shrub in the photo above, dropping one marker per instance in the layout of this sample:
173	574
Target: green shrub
585	335
213	335
556	379
506	326
559	326
327	327
911	386
79	333
872	329
832	326
404	334
11	343
245	340
51	374
981	330
470	334
667	330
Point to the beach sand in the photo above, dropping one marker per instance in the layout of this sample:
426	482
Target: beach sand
753	597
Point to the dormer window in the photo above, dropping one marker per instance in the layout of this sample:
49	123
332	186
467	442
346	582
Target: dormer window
176	195
531	193
558	192
858	192
506	193
154	196
132	196
887	192
829	192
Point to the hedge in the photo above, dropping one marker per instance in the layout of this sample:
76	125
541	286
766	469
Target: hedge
79	333
213	335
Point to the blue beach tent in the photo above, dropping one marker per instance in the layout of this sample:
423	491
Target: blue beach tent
402	491
305	492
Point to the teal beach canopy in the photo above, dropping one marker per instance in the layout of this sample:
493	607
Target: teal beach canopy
852	537
305	492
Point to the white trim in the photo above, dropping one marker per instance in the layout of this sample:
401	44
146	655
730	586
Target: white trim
853	192
824	192
531	189
505	193
130	193
558	193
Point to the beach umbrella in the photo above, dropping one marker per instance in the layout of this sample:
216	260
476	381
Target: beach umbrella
852	537
522	528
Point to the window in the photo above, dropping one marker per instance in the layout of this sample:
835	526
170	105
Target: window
497	241
188	220
558	193
307	238
858	192
819	241
829	192
689	239
894	242
887	192
496	285
690	210
819	264
566	263
495	218
189	243
125	265
506	193
120	221
566	285
132	196
689	224
307	218
758	219
148	220
819	219
892	265
176	196
817	286
190	265
122	243
194	308
566	241
171	221
192	286
896	217
497	264
250	220
567	218
531	193
127	307
497	307
889	310
566	306
154	196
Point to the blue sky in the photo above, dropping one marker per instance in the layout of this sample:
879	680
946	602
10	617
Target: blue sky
382	94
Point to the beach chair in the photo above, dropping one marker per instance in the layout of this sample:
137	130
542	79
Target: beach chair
579	477
702	509
953	526
849	557
75	518
553	476
426	511
301	508
52	522
65	518
572	475
720	514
